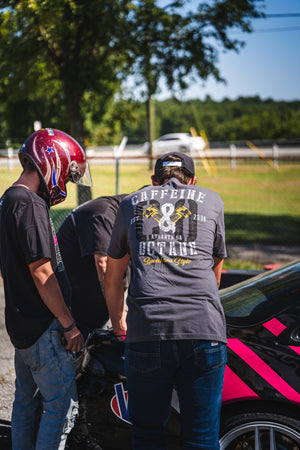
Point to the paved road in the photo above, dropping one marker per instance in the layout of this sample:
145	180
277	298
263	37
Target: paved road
264	254
135	154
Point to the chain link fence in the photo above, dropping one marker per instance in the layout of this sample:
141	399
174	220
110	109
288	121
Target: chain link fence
273	214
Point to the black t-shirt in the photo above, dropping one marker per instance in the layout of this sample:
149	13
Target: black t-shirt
26	236
84	233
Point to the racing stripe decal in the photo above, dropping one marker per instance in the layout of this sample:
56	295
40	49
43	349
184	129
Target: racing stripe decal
296	349
235	388
260	367
276	328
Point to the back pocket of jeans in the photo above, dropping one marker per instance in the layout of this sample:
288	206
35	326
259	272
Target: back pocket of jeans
144	357
210	357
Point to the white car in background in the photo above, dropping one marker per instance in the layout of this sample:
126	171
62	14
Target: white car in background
177	142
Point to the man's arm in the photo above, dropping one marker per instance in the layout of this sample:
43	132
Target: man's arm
101	263
114	292
217	268
47	285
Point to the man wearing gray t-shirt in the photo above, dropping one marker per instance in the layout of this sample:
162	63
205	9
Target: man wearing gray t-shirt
175	328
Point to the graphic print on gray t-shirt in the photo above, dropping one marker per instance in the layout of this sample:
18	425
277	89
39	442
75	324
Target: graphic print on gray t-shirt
173	231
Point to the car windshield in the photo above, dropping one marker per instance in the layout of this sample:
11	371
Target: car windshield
261	296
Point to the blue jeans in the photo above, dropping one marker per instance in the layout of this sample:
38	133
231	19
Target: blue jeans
195	368
45	404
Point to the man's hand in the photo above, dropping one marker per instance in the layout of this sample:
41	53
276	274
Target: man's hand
114	293
75	341
49	290
120	326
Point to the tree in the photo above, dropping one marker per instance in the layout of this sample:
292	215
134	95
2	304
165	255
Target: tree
173	43
64	59
71	43
68	50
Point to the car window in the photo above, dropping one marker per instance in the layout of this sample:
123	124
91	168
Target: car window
170	139
263	296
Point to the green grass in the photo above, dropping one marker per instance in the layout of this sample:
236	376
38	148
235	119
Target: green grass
261	205
262	228
257	189
241	264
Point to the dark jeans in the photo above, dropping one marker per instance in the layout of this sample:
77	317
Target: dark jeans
195	368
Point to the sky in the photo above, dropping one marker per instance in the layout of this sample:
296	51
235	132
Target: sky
268	65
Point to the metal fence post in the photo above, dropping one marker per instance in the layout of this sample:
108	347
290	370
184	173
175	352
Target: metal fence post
117	175
232	156
10	154
118	150
275	155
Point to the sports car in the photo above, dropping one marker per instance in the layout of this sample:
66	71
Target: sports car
261	395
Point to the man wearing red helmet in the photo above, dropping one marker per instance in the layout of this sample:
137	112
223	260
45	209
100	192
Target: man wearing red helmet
36	292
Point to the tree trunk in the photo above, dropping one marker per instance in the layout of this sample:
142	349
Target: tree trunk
150	128
76	127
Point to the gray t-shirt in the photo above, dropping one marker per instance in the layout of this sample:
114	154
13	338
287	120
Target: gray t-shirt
172	233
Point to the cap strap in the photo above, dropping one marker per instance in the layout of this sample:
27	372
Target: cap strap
172	163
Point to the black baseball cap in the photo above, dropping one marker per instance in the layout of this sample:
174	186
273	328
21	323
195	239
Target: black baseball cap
185	162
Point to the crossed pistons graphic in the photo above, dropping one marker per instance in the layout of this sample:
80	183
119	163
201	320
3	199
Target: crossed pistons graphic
167	216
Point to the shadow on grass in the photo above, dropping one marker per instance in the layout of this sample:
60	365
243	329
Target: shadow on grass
240	228
254	228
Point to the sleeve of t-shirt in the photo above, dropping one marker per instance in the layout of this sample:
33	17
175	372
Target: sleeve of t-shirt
34	232
219	250
118	246
97	235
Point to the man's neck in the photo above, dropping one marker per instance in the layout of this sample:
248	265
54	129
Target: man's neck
28	180
22	185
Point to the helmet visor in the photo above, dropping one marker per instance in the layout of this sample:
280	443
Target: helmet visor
76	176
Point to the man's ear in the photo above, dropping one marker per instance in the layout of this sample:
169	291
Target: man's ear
192	180
154	182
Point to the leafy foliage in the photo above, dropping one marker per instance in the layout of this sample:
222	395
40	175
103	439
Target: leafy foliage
61	61
175	40
246	118
55	56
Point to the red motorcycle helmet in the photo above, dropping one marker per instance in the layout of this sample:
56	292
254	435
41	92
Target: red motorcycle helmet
58	159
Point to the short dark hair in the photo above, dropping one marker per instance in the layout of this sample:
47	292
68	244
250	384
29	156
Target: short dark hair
28	166
166	172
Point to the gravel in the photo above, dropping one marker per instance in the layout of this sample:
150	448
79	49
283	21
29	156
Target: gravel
7	372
